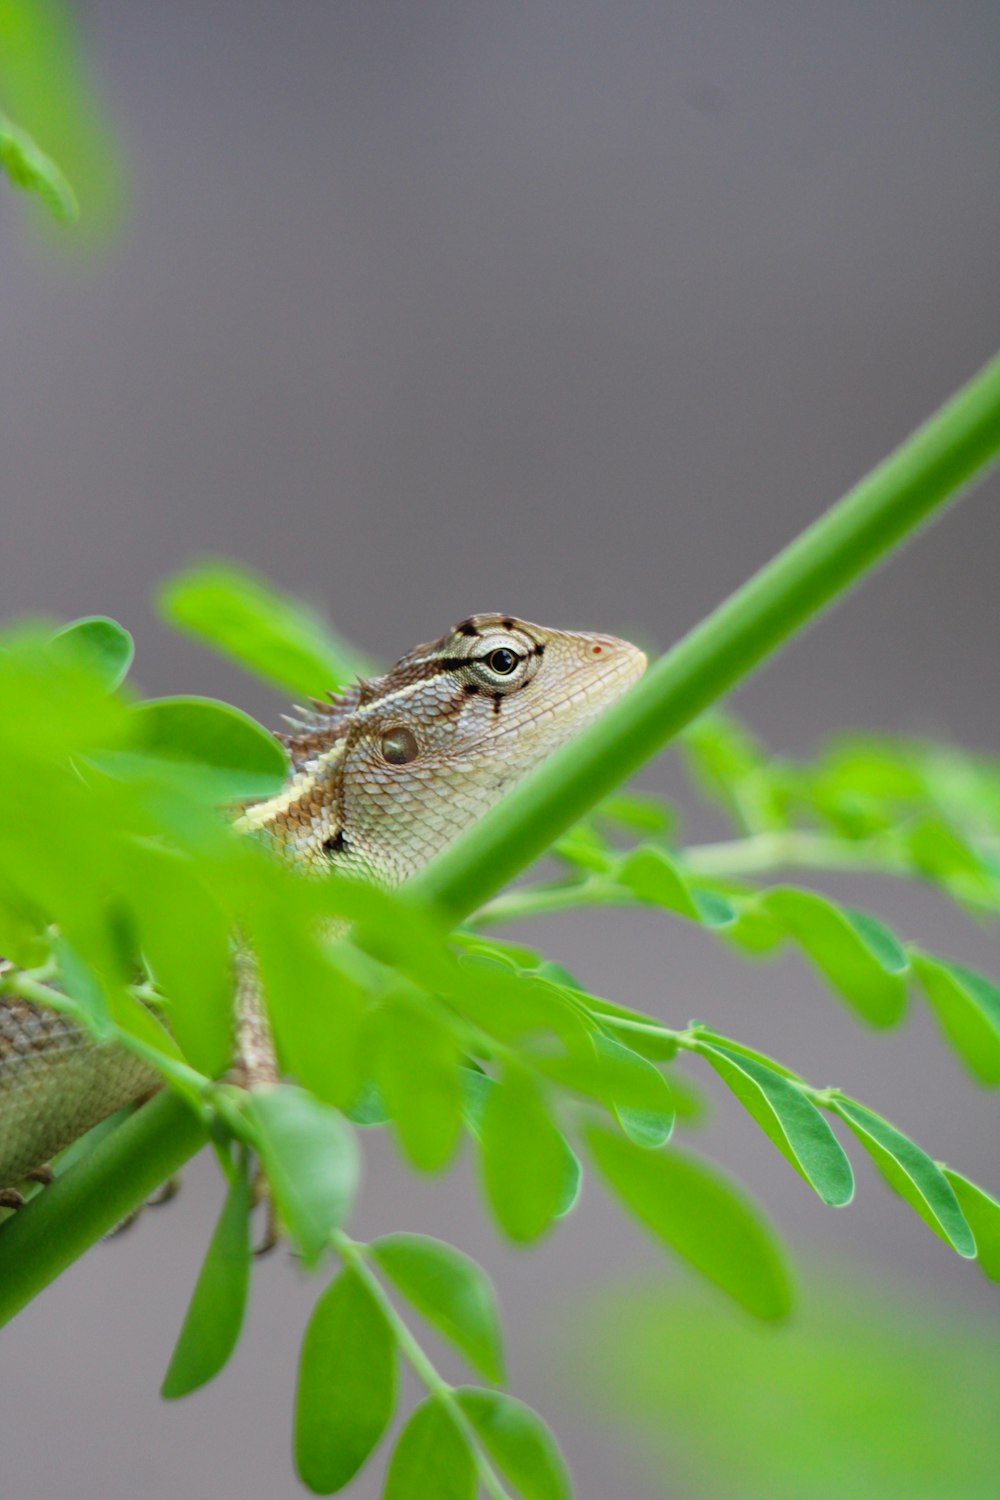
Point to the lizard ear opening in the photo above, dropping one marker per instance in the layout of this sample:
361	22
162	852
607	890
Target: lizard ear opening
399	746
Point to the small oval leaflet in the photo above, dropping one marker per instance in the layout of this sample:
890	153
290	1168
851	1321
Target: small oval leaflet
451	1290
519	1443
346	1392
909	1172
215	1316
701	1216
431	1459
790	1120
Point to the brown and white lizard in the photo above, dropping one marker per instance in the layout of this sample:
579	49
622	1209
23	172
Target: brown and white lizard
381	779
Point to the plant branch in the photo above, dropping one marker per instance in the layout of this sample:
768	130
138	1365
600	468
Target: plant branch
41	1240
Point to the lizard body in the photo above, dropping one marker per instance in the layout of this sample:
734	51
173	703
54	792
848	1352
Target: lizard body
381	779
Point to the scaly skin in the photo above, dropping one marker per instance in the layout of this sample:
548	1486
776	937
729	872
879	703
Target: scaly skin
382	779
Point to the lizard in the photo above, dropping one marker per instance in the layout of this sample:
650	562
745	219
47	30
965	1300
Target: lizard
380	779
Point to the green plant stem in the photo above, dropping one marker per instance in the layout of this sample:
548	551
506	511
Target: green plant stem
352	1253
924	474
41	1240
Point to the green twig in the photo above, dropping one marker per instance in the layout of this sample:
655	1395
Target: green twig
40	1241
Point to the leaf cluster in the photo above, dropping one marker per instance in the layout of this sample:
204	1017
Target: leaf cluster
443	1037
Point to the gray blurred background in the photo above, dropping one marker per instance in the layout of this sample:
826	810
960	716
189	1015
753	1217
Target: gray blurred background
573	310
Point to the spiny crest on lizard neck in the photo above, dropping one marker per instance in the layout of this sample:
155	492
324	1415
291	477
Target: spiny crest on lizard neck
391	771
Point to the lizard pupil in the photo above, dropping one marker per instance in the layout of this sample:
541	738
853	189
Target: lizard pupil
399	746
502	661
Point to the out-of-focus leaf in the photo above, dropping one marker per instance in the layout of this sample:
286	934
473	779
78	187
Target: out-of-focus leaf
265	631
28	168
523	1157
215	1316
789	1120
584	847
45	86
186	939
644	1034
701	1216
640	812
519	1443
100	644
346	1392
968	1009
223	746
477	1089
416	1069
865	1393
909	1172
310	1155
733	769
451	1290
651	875
316	1007
859	957
632	1090
941	852
431	1459
981	1212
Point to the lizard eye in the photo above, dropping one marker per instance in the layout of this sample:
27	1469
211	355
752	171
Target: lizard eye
399	746
502	661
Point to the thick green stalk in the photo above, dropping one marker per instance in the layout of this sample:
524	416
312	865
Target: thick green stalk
41	1241
924	474
929	469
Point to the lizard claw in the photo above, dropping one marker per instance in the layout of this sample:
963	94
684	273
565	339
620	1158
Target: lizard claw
11	1198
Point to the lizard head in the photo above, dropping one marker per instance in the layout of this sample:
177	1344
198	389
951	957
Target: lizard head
395	769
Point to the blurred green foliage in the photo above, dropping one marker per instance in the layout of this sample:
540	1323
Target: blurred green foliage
868	1393
384	1018
56	142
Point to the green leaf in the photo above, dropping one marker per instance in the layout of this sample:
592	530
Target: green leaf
416	1069
452	1292
315	1005
519	1443
346	1392
431	1459
263	630
640	812
186	940
215	1316
226	749
790	1121
702	1217
28	168
477	1089
642	1033
968	1009
909	1172
651	875
981	1212
523	1157
859	957
100	644
310	1155
634	1092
